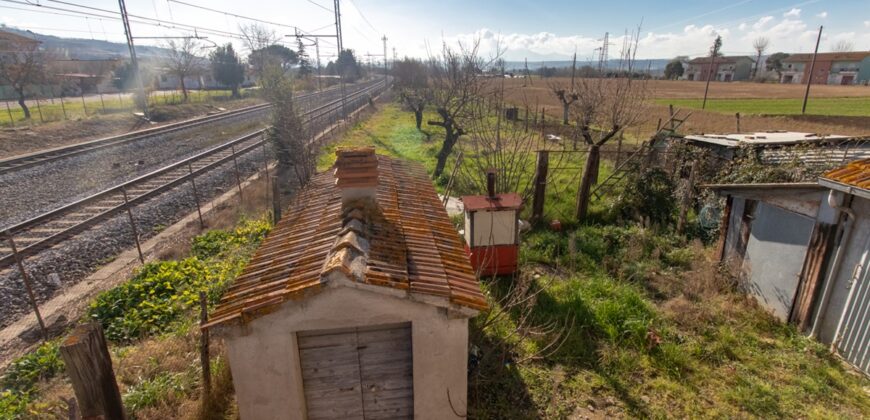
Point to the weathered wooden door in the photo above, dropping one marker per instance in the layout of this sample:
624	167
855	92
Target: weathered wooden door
358	373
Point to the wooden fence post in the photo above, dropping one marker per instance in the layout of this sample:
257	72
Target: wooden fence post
204	351
737	115
687	198
540	185
89	367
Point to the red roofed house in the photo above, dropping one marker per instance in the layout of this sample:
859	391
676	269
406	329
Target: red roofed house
832	68
725	69
357	304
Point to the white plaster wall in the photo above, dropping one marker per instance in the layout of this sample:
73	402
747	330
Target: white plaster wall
265	364
852	251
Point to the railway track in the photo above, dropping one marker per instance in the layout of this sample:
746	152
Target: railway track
45	156
51	228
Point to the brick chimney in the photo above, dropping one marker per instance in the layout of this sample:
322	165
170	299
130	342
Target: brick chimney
356	173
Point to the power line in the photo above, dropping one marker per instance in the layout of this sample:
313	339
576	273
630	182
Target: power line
359	11
235	15
320	6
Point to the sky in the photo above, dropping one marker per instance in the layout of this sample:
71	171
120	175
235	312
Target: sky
534	30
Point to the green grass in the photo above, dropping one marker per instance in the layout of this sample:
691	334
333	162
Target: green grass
58	109
647	332
856	107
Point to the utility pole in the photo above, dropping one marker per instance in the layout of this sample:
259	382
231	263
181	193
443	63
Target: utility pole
385	60
133	60
317	53
812	68
340	50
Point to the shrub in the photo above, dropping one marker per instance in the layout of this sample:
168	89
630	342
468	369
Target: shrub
648	195
24	373
12	405
161	291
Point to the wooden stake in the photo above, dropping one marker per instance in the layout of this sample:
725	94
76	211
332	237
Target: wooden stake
687	198
203	350
89	367
737	115
238	177
540	185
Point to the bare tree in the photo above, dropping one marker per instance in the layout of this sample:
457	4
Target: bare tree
493	142
604	108
760	45
456	81
843	46
567	95
412	83
257	39
182	61
22	67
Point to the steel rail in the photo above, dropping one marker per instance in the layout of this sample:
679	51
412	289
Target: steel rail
83	219
36	158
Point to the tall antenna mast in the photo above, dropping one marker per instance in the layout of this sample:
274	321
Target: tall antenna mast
134	61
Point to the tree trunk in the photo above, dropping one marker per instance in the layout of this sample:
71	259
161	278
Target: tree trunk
565	107
449	141
183	89
418	117
590	173
22	102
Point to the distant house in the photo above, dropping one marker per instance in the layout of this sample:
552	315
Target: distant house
803	251
833	68
357	304
725	69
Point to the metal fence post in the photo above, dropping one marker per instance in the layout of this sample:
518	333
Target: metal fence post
39	109
266	161
133	225
9	111
63	107
195	195
238	177
26	280
276	201
84	106
204	357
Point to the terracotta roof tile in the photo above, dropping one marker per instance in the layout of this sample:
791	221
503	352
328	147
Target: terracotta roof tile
402	239
856	174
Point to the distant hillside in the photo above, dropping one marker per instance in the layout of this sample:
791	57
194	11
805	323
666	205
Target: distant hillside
655	65
87	49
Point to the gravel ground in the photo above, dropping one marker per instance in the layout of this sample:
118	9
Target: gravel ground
32	191
53	270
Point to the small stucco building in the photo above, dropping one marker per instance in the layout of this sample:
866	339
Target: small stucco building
357	303
803	251
833	68
725	69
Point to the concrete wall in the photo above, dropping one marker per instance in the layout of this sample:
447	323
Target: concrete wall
264	355
852	250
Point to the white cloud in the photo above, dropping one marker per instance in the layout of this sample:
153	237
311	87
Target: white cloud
822	15
794	12
788	34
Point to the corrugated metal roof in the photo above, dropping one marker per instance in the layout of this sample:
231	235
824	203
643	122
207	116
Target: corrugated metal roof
402	240
764	138
855	174
720	60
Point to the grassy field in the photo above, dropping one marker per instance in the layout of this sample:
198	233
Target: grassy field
60	109
652	328
649	326
766	106
856	106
